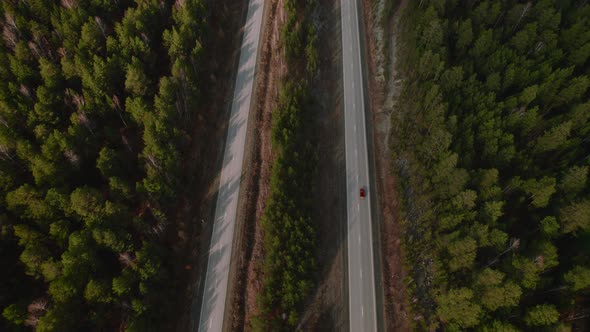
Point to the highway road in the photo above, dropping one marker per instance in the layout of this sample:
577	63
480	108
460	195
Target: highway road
217	275
361	277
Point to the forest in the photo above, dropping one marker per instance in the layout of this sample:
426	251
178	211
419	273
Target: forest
96	101
289	234
491	145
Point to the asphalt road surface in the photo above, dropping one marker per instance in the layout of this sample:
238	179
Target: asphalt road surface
361	278
216	280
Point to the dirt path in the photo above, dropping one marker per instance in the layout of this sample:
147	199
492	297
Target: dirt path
257	167
381	65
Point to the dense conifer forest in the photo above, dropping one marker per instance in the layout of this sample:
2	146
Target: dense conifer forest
95	102
492	146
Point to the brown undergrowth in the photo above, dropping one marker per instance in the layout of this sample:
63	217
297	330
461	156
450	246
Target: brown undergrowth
257	170
396	304
327	309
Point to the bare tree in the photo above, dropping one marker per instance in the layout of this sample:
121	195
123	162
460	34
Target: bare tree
10	37
6	153
182	100
25	91
62	52
69	4
9	21
83	119
35	49
78	103
145	38
36	309
127	259
124	139
10	32
158	229
101	26
77	100
118	108
179	4
72	157
539	261
523	14
43	48
152	161
514	244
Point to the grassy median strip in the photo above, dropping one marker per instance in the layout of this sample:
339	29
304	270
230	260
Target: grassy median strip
289	235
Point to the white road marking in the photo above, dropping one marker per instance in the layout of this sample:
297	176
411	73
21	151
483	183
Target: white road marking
361	292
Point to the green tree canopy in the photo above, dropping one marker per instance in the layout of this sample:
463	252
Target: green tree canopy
542	315
457	306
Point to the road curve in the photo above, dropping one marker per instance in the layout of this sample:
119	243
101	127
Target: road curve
217	274
361	277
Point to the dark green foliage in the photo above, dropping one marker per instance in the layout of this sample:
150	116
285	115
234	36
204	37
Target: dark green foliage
578	278
491	143
457	307
15	313
289	235
95	105
541	315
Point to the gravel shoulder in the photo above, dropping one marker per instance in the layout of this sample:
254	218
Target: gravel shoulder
382	93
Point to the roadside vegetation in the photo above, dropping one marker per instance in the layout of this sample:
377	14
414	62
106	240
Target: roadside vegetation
289	235
96	99
491	144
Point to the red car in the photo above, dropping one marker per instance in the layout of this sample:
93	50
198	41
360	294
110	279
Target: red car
363	193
